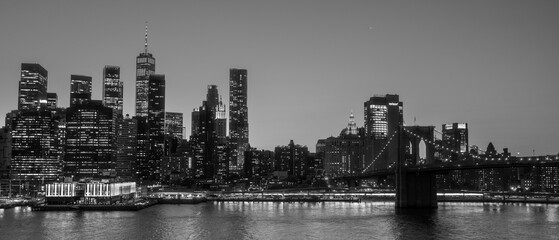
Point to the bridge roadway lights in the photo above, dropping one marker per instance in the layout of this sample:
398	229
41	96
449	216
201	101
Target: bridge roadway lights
416	190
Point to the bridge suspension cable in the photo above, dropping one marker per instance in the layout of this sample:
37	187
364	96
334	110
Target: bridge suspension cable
451	150
454	139
381	151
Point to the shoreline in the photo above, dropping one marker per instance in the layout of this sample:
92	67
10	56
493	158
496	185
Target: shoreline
137	207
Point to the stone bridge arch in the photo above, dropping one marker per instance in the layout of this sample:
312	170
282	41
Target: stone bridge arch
412	136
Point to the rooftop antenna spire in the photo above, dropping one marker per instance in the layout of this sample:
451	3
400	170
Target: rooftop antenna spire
146	40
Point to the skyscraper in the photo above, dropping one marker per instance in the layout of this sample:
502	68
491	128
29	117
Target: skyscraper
220	121
156	107
126	148
145	66
90	150
80	89
455	138
32	86
383	116
35	156
52	100
112	89
151	131
238	115
208	135
174	124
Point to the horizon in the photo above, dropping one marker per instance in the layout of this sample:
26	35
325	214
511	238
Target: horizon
335	62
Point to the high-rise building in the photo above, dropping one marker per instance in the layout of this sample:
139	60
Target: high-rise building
126	148
455	138
174	124
238	118
208	136
112	89
52	100
220	121
383	117
35	154
156	107
80	89
151	131
90	150
32	86
145	66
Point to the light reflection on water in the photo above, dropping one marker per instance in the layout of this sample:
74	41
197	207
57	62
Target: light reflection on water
268	220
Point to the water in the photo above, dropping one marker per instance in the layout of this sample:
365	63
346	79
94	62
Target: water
253	220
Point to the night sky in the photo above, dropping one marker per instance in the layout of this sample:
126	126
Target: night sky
491	64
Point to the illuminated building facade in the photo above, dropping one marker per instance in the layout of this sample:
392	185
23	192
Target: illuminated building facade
220	121
32	86
35	155
208	139
151	132
52	100
238	118
145	66
90	141
454	141
383	116
174	124
344	154
89	193
259	163
126	148
80	89
112	89
291	159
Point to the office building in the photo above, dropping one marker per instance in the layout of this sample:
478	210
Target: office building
454	141
208	136
52	101
32	86
291	159
344	154
80	89
145	66
174	124
112	89
238	118
5	148
126	148
90	151
151	132
383	117
35	154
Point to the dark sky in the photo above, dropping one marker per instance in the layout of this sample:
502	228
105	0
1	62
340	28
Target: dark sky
492	64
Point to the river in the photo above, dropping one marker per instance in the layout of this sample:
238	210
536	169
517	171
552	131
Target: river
269	220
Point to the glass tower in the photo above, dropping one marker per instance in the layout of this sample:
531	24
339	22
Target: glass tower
145	66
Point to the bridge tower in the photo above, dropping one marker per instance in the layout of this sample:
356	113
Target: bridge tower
414	189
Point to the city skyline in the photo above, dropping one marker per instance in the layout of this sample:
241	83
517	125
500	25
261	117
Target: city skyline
315	70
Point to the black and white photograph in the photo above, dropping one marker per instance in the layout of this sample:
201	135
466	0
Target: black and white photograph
279	119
